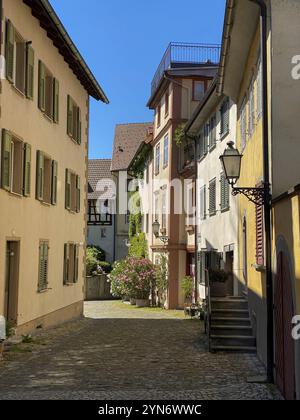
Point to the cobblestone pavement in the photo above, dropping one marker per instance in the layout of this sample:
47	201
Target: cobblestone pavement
122	352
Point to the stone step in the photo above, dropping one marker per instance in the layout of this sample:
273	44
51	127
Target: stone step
230	313
231	330
229	303
219	320
233	340
234	349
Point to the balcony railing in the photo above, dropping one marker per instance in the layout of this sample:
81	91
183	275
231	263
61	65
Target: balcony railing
180	54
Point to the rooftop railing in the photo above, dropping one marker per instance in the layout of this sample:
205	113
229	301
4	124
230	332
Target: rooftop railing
179	53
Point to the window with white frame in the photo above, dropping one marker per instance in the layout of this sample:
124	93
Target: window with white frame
157	159
198	90
166	151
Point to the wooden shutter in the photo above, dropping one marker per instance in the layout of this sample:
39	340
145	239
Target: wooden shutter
27	170
212	132
224	193
76	263
54	183
70	116
259	235
212	197
77	193
68	190
55	100
42	87
6	164
29	71
40	175
225	117
66	264
79	125
10	51
203	203
43	266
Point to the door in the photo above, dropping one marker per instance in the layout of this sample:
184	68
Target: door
190	271
284	343
229	270
12	282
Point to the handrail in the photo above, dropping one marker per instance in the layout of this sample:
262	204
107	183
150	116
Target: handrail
208	304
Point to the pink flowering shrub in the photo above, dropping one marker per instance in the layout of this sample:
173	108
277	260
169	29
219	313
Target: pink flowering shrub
133	278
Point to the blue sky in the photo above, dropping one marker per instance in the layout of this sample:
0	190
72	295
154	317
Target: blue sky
123	42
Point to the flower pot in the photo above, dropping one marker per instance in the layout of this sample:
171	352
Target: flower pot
142	303
218	289
132	301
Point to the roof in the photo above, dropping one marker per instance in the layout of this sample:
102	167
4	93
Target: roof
128	138
98	170
204	70
43	11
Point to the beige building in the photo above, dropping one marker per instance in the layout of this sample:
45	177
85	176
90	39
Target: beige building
44	122
127	141
177	88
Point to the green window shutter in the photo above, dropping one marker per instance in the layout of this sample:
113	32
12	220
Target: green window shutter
212	197
43	266
66	263
68	190
6	151
27	170
56	101
70	117
203	202
42	87
40	173
54	183
10	51
29	72
78	194
224	193
79	125
76	263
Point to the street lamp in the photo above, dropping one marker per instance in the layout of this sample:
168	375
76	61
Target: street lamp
231	161
156	229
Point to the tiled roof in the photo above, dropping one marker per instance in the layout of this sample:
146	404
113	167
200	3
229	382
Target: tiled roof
98	172
128	138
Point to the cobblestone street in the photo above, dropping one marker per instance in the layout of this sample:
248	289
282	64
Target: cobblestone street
121	352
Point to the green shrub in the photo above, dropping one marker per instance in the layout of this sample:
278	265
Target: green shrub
187	286
138	246
100	255
106	266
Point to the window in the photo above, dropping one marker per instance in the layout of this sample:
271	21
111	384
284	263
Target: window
156	207
198	90
71	263
103	233
203	202
15	164
224	193
19	61
243	124
251	110
167	97
157	159
74	120
224	117
98	213
43	266
164	209
166	151
212	197
158	115
203	142
259	90
212	133
46	179
72	193
48	93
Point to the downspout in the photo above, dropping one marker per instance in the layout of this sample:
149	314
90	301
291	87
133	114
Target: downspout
267	204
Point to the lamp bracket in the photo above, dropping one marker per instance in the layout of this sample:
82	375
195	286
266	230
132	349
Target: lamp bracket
257	195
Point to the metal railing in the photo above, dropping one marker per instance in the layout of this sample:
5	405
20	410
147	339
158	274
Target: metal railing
186	53
208	308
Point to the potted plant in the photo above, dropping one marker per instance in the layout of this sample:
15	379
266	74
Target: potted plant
217	281
187	287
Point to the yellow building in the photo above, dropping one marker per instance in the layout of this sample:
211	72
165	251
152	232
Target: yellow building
44	122
241	78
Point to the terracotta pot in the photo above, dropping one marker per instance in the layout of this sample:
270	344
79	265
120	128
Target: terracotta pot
218	290
143	303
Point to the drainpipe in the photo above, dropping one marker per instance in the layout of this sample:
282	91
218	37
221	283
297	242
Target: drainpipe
267	205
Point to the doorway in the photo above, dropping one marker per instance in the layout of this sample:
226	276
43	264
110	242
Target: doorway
284	343
12	282
228	267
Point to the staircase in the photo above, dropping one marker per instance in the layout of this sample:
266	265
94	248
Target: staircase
230	325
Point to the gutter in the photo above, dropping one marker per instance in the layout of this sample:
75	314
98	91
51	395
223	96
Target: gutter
268	204
74	50
225	44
